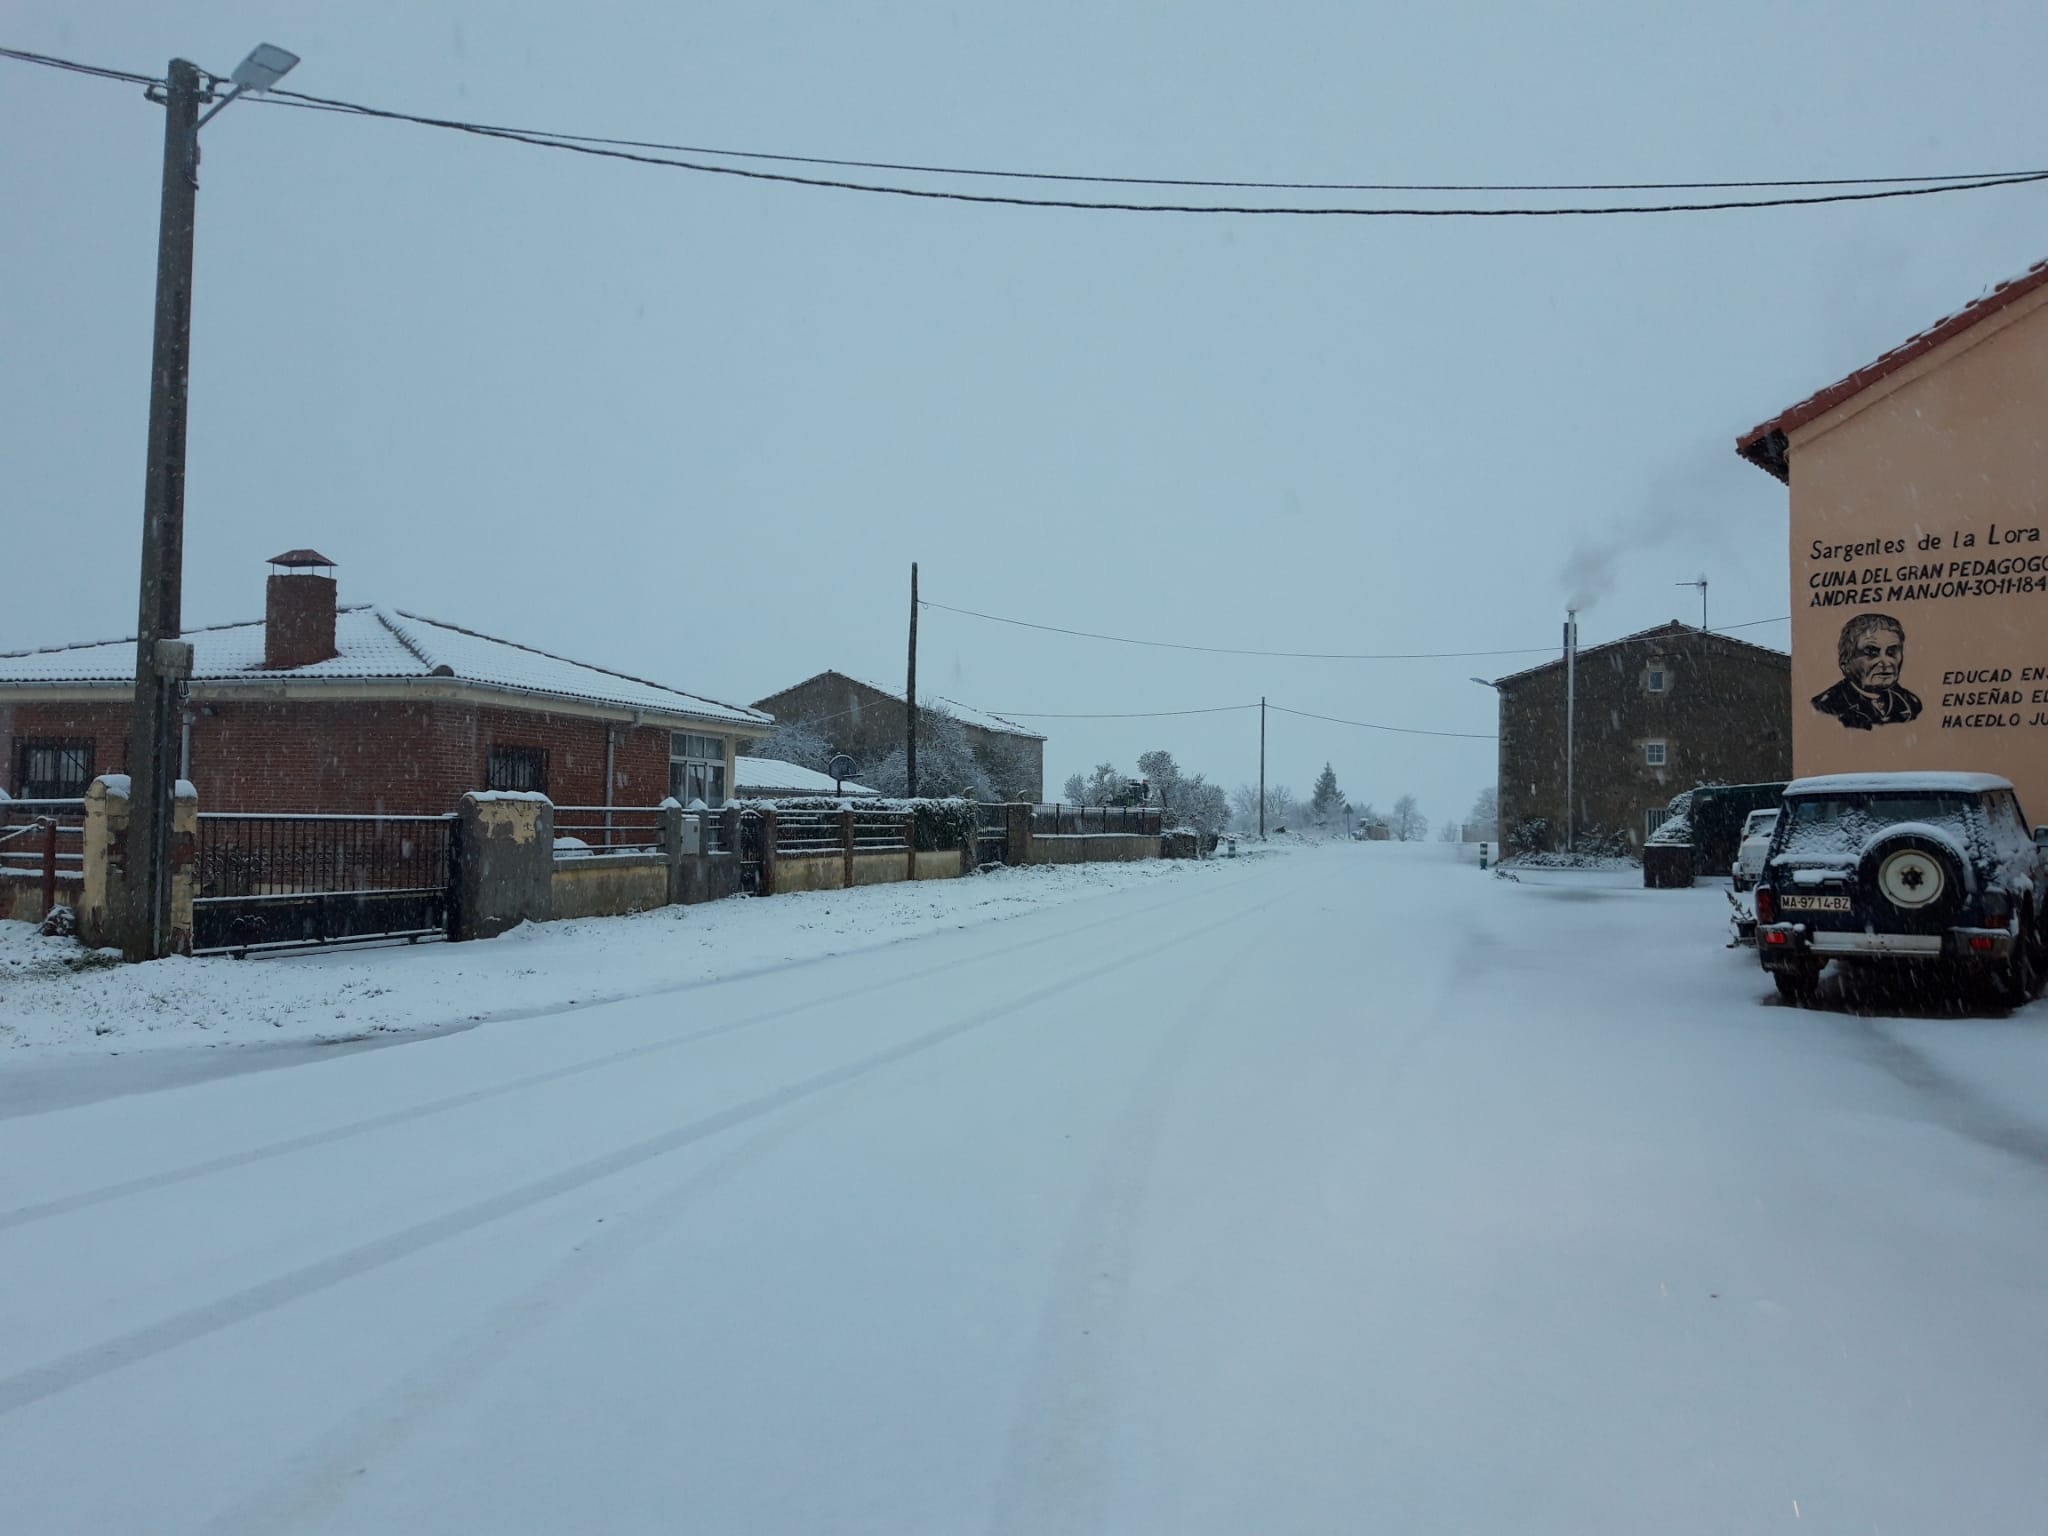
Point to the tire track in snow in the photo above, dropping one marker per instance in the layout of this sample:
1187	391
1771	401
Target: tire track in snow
96	1360
1056	1472
319	1481
63	1205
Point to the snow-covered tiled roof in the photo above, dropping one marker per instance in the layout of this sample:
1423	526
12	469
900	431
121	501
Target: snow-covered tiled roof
771	775
966	714
1673	629
1765	444
375	643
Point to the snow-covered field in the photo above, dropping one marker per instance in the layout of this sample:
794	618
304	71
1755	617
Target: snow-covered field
1351	1190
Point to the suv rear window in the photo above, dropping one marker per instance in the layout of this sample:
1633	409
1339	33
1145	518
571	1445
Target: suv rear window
1815	823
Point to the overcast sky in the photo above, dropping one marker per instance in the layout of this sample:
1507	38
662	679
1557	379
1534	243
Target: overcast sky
697	428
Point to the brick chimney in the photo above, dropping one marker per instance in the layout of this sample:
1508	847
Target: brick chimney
298	610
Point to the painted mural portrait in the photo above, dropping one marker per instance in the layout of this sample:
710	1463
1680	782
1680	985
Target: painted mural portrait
1872	654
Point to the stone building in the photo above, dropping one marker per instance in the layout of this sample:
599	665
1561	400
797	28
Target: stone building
868	723
1656	713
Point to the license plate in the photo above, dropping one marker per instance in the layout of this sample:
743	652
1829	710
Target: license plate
1814	903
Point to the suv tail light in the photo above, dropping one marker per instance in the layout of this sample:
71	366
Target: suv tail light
1997	909
1766	904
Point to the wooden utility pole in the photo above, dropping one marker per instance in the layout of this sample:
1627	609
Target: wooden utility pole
1262	767
153	735
910	691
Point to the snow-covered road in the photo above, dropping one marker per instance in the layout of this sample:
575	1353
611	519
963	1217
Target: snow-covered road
1348	1191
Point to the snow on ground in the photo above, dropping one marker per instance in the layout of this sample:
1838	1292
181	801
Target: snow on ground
57	997
1351	1190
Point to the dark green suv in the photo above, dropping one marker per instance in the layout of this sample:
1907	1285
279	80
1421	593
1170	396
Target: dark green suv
1904	869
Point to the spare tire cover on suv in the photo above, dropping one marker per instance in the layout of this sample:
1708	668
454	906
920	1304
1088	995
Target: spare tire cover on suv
1912	883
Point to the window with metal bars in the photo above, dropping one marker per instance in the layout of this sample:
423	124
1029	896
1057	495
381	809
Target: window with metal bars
52	767
523	769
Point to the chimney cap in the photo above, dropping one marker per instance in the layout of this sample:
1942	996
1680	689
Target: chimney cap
301	559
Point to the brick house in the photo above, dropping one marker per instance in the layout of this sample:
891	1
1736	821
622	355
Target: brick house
321	707
868	723
1657	712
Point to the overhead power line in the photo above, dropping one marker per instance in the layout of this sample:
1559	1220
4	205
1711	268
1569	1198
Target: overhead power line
1229	709
1372	725
288	98
1137	714
72	66
1226	650
1852	189
661	156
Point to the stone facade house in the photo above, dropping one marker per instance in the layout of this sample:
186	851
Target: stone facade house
323	707
868	723
1656	713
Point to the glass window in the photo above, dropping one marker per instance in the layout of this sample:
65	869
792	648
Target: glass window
696	768
523	769
1656	679
1653	753
1653	817
54	768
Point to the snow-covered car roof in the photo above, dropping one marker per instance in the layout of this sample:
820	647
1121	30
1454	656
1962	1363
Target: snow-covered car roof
374	643
1898	784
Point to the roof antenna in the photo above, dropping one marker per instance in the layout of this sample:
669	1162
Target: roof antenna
1702	585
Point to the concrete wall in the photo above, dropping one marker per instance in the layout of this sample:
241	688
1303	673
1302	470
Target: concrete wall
21	896
704	877
1899	497
881	868
943	864
1724	716
608	885
809	872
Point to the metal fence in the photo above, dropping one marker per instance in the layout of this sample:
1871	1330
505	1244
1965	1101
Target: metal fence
799	832
584	830
44	841
270	880
1081	820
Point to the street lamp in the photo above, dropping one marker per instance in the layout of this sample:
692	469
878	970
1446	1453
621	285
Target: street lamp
162	661
1482	682
266	65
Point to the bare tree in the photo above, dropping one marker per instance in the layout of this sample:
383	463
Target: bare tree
1482	822
794	741
1407	824
946	764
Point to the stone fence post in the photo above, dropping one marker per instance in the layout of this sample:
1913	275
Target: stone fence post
1017	828
508	862
103	914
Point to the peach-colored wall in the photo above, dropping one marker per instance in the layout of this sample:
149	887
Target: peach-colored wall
1926	499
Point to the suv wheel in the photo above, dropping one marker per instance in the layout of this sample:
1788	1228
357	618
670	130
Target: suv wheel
1914	882
1799	986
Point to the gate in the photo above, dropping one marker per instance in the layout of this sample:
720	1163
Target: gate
284	881
753	847
992	835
